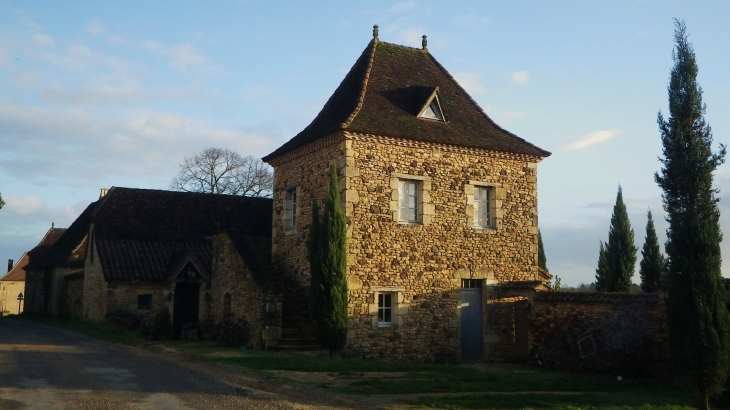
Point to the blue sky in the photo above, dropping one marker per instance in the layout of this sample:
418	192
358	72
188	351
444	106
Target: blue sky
99	94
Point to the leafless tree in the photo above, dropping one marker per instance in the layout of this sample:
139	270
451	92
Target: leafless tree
222	171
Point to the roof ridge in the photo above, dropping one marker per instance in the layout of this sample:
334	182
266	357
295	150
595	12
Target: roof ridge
481	110
374	44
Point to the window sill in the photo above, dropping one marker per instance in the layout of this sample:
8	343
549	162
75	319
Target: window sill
290	231
406	224
484	230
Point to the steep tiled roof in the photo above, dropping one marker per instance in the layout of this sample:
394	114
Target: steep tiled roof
137	231
69	248
383	94
17	273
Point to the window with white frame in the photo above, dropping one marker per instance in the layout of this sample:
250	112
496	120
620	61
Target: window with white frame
408	201
386	303
483	205
291	203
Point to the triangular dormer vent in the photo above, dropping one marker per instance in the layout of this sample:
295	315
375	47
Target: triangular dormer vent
432	109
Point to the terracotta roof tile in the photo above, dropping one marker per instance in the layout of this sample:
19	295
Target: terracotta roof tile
383	94
17	273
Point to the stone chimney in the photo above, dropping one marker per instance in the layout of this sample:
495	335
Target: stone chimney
10	265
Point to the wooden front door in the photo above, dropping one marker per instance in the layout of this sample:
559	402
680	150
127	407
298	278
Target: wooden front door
187	300
472	342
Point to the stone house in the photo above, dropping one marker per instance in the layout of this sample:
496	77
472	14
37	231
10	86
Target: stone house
150	250
12	285
441	204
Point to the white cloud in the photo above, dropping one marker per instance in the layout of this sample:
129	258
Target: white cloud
642	33
520	77
114	40
402	7
590	139
511	115
105	94
471	20
412	36
22	205
181	56
96	27
43	40
471	82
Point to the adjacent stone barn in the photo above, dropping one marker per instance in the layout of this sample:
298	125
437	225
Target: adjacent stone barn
150	250
56	255
441	204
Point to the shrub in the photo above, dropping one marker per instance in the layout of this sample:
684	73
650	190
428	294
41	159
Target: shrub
232	332
162	327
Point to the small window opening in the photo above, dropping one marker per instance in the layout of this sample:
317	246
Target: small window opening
144	301
432	109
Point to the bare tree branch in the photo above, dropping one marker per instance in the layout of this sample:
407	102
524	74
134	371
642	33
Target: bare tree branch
222	171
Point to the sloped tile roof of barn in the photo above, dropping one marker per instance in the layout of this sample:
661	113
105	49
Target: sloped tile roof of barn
68	246
383	94
137	231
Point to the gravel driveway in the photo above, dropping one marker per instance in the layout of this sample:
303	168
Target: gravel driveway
43	367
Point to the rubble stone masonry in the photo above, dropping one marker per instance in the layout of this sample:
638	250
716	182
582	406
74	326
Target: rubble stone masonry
421	264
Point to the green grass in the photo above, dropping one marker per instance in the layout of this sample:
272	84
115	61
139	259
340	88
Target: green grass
479	387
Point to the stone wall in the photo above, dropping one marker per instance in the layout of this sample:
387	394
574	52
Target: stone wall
421	264
9	297
95	291
123	297
74	297
619	334
34	296
247	297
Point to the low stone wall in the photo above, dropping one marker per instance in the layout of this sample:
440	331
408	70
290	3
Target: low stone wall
615	333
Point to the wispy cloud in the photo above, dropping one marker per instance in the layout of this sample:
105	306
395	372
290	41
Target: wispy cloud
642	33
43	40
96	27
591	139
181	55
520	77
471	82
402	7
471	20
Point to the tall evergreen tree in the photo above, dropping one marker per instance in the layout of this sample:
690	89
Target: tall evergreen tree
652	261
620	251
2	203
698	323
327	249
317	301
602	270
541	258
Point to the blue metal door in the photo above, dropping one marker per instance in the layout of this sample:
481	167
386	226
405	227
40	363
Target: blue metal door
471	325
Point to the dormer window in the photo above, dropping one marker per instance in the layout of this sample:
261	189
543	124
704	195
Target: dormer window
432	109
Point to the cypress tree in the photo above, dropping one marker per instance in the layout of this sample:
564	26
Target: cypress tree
602	270
317	302
332	258
620	251
2	203
652	261
541	258
697	318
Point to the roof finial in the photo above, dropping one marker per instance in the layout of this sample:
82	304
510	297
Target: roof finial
424	42
52	225
375	31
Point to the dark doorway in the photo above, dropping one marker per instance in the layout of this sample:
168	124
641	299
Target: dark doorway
521	348
187	299
472	342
